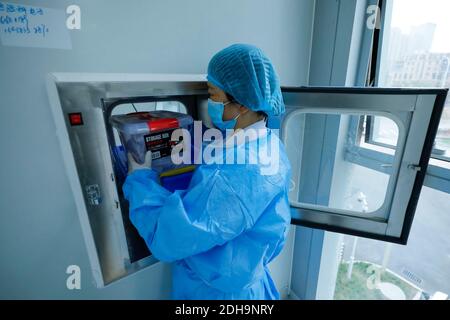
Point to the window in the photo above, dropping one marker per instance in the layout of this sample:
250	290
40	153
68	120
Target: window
381	131
349	190
421	34
416	35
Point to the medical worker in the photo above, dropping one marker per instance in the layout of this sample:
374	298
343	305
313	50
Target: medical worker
232	221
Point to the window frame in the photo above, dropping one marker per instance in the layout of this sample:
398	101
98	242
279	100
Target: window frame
437	177
304	215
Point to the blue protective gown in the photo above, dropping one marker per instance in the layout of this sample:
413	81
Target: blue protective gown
222	231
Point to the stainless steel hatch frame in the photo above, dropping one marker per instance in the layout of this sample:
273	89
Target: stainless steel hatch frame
115	249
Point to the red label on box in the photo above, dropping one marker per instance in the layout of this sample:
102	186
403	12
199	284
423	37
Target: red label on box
162	124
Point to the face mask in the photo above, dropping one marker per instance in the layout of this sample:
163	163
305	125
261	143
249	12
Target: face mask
215	110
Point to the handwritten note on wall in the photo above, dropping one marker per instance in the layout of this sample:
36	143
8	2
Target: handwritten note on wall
27	26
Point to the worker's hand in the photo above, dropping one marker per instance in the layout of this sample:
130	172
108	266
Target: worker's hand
133	165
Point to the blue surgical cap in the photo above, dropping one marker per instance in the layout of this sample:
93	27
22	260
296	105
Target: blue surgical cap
246	73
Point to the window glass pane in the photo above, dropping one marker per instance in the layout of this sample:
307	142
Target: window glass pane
416	53
384	131
419	270
346	180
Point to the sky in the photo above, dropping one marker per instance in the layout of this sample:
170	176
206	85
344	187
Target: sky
408	13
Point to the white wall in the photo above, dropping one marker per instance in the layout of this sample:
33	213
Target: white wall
40	233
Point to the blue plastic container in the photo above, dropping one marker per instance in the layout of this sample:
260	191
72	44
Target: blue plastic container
177	182
152	131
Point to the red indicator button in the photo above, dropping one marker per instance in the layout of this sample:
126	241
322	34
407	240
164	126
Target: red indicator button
75	119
